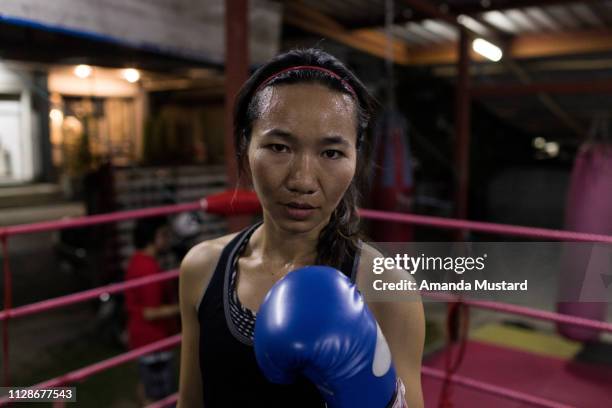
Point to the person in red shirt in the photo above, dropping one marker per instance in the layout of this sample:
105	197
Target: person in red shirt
152	310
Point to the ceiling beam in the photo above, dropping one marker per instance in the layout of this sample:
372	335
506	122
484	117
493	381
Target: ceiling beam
563	43
369	41
510	59
553	88
560	65
527	46
501	5
431	10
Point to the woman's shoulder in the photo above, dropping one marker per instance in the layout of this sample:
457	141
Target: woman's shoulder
206	251
199	264
204	256
367	254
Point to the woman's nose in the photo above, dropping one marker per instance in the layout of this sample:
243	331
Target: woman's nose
302	178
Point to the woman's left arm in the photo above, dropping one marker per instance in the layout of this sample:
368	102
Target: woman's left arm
403	324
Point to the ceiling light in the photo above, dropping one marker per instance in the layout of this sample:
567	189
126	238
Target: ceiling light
552	148
56	115
82	71
131	75
539	142
487	49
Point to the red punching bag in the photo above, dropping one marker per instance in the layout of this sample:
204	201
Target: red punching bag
393	184
589	209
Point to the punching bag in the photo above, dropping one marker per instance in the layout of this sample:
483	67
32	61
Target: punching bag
392	184
588	209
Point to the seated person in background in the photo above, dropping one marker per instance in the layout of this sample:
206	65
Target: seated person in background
152	310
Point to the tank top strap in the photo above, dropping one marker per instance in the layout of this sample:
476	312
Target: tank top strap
350	264
227	255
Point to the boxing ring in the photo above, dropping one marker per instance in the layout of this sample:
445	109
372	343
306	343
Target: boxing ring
242	203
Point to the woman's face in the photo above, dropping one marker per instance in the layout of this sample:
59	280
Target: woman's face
302	154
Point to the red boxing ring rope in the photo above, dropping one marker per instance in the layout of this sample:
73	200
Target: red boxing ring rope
523	311
88	220
230	202
170	399
222	203
489	227
219	204
83	296
85	372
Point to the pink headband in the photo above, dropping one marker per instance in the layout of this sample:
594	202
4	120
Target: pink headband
309	68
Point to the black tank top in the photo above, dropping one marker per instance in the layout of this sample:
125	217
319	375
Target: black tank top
231	377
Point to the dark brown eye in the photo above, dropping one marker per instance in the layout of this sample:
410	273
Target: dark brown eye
278	148
332	154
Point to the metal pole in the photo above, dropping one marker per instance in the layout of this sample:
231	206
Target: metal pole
462	126
236	73
8	304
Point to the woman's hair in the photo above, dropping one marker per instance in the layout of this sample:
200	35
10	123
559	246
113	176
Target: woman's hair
314	66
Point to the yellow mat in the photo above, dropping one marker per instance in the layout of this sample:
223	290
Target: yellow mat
546	344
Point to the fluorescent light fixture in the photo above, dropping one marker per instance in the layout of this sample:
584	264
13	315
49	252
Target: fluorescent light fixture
444	30
543	19
487	49
521	19
472	24
82	71
131	75
500	21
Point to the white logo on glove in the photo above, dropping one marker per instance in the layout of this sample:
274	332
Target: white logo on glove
382	355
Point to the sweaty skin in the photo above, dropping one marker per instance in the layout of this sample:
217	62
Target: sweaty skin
302	150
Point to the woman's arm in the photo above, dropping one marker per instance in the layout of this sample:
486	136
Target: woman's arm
196	271
160	312
194	276
402	323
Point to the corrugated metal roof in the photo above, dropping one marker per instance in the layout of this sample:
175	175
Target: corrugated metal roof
422	32
519	21
417	30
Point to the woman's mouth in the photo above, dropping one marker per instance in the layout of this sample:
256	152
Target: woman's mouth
299	211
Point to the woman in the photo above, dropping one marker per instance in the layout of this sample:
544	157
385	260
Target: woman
301	126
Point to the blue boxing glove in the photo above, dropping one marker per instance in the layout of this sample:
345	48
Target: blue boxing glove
315	323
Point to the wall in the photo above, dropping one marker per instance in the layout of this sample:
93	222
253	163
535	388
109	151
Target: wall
191	28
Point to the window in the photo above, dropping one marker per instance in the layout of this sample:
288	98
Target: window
15	142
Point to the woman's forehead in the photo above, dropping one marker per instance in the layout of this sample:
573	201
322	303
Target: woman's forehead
306	105
289	97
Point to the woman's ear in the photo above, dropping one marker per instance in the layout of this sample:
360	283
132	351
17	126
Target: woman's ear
247	171
245	176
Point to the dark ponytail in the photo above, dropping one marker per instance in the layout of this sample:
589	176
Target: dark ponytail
342	233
